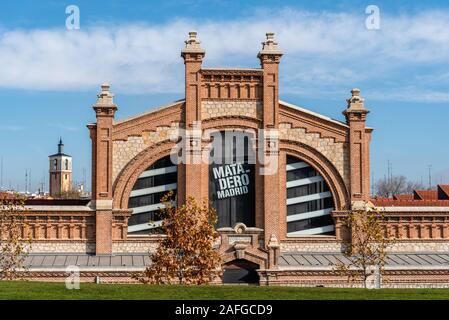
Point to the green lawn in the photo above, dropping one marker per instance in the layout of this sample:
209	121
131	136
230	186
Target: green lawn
51	291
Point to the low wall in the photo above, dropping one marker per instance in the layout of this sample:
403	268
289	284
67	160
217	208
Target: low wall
71	246
405	278
329	245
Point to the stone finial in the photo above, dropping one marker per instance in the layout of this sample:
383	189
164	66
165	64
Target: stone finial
193	45
356	103
105	87
270	46
273	243
105	98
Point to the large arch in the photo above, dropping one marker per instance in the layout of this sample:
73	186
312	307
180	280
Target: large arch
324	167
231	122
128	176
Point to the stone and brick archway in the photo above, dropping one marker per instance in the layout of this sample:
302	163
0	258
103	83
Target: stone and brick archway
240	271
128	176
322	165
123	150
324	168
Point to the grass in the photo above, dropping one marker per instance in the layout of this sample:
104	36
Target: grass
21	290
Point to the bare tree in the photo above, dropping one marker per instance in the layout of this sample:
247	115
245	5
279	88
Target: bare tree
388	187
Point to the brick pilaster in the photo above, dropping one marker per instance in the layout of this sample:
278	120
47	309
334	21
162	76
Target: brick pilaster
193	170
270	56
101	135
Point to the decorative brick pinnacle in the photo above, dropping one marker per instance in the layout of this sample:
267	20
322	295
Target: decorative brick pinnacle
193	45
270	46
105	98
356	103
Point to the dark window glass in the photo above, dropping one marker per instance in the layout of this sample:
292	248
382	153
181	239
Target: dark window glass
302	173
144	217
151	199
238	203
310	223
155	181
308	206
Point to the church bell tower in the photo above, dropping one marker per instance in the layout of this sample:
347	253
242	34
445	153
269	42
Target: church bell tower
60	172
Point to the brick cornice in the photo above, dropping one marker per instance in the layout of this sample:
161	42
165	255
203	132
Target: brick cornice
231	72
313	124
229	122
148	121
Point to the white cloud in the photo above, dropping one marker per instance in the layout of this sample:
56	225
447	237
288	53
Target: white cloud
411	94
11	128
331	51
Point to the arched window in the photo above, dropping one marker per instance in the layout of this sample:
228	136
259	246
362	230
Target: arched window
309	201
55	164
66	164
145	198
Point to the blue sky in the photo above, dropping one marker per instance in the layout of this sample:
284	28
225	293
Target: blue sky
50	76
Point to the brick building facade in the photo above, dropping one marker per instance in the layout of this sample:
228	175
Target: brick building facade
309	171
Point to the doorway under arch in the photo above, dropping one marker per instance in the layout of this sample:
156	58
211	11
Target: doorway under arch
240	272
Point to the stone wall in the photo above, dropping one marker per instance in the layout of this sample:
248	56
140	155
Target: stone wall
61	247
142	245
335	152
310	246
213	109
315	245
420	246
125	151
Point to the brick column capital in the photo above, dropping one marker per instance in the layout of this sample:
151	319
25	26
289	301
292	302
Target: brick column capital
105	107
359	138
270	52
355	110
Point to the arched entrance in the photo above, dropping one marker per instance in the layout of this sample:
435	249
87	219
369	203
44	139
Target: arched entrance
240	272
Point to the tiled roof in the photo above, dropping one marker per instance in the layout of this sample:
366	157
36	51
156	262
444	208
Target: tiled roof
425	194
403	197
331	259
57	202
382	202
6	196
419	198
443	191
63	260
286	260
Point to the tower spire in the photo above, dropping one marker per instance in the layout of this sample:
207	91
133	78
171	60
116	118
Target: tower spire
60	146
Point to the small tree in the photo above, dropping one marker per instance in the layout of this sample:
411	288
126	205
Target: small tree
367	248
13	243
70	194
186	255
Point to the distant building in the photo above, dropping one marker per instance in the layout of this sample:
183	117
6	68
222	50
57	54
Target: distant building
60	172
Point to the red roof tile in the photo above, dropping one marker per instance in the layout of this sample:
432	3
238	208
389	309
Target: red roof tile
6	196
409	203
425	195
443	192
403	197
